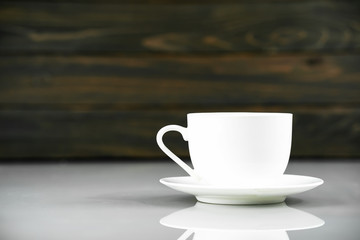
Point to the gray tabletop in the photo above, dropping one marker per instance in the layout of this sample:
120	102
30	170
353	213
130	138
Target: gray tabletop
126	201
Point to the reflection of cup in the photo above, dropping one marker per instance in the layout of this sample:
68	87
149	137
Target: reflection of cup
208	221
228	147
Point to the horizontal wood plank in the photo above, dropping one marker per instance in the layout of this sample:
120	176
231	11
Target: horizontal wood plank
277	26
148	2
318	132
153	81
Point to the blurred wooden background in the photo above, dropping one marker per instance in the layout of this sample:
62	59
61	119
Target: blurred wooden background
91	78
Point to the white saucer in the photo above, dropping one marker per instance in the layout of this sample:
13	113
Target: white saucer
260	191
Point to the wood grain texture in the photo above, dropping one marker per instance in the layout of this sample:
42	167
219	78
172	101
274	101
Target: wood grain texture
280	26
91	78
132	133
151	81
173	2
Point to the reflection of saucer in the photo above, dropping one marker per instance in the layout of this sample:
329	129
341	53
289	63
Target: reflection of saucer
241	218
261	191
269	222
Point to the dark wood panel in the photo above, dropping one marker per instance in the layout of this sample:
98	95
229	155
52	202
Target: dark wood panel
197	2
150	81
65	27
326	133
89	78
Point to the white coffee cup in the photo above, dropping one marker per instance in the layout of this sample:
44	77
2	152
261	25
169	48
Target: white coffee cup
230	147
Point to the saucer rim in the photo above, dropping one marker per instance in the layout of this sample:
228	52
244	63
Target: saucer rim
317	182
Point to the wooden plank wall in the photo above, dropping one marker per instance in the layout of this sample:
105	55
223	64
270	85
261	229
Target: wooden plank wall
99	78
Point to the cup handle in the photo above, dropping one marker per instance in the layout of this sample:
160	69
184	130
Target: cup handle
175	158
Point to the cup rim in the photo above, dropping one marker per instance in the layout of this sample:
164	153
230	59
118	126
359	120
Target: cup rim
239	114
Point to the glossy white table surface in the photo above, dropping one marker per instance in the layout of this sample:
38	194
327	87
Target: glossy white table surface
126	201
